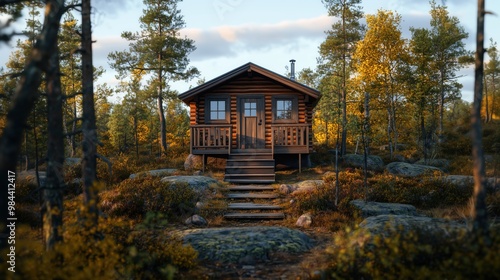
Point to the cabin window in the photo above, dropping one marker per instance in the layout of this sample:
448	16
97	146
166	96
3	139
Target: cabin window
285	110
218	110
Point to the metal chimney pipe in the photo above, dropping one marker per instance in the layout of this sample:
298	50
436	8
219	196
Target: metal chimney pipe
292	69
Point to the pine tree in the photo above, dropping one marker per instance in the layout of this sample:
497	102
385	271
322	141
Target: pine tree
157	49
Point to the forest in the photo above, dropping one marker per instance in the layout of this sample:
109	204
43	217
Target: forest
69	147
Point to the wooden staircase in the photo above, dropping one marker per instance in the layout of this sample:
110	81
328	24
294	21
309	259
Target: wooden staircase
250	168
248	209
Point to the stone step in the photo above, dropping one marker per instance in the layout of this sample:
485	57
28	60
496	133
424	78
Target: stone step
251	188
250	170
253	206
252	195
254	216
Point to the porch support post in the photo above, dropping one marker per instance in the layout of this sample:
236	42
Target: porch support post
300	163
204	162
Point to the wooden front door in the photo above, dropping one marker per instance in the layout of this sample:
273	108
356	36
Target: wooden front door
252	126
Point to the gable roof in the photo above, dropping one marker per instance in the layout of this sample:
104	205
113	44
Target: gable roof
250	67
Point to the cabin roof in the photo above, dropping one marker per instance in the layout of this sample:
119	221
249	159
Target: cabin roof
249	67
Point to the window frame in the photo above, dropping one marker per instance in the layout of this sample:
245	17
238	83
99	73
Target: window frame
294	116
208	107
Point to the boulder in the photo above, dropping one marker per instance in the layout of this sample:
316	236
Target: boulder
383	224
154	173
410	170
245	245
374	163
440	163
193	162
196	220
198	183
304	221
370	208
306	186
30	177
285	189
466	181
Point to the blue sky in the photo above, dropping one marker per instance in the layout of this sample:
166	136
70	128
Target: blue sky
230	33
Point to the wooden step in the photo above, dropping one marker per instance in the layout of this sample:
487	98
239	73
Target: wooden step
250	170
253	206
250	162
254	216
251	156
252	195
251	188
249	181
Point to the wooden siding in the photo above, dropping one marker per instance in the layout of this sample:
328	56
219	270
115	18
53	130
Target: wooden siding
252	84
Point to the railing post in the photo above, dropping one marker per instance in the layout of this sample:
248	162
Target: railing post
272	142
230	139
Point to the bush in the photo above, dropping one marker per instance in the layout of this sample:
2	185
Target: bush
134	198
425	193
414	255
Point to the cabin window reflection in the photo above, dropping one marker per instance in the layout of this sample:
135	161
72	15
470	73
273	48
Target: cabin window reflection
285	109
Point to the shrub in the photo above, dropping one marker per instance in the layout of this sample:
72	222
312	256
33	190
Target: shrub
414	255
136	197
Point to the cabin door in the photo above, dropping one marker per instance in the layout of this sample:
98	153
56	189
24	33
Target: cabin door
252	123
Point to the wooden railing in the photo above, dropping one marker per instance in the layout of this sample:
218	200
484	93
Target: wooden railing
290	135
211	137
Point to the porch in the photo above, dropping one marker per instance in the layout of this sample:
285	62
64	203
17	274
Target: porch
220	140
255	165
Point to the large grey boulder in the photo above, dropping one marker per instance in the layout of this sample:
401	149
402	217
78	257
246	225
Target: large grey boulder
196	220
440	163
410	170
466	181
370	208
197	183
384	224
193	162
374	163
154	173
245	245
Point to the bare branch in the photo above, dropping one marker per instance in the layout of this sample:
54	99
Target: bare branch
106	160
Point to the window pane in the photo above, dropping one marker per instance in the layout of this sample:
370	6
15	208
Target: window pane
213	105
222	105
213	115
221	115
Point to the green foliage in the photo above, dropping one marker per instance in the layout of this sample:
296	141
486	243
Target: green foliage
424	193
413	255
114	250
134	198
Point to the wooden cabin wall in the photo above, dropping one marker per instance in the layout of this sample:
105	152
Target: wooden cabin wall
251	84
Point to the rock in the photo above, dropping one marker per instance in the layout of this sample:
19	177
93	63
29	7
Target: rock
304	221
30	177
245	245
466	181
198	183
410	170
199	205
370	208
374	163
196	220
198	173
441	163
154	173
193	162
72	161
382	224
306	186
285	189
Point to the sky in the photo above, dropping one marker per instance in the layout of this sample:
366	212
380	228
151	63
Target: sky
230	33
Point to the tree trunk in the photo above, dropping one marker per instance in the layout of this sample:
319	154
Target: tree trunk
480	216
88	123
52	208
24	100
486	105
163	125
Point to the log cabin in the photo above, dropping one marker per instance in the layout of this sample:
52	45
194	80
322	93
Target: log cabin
253	117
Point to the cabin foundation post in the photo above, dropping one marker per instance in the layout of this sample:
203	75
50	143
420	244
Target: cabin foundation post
204	159
300	163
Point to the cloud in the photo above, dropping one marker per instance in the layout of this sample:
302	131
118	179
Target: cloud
231	40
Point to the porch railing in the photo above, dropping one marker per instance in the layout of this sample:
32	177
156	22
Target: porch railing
211	137
290	135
